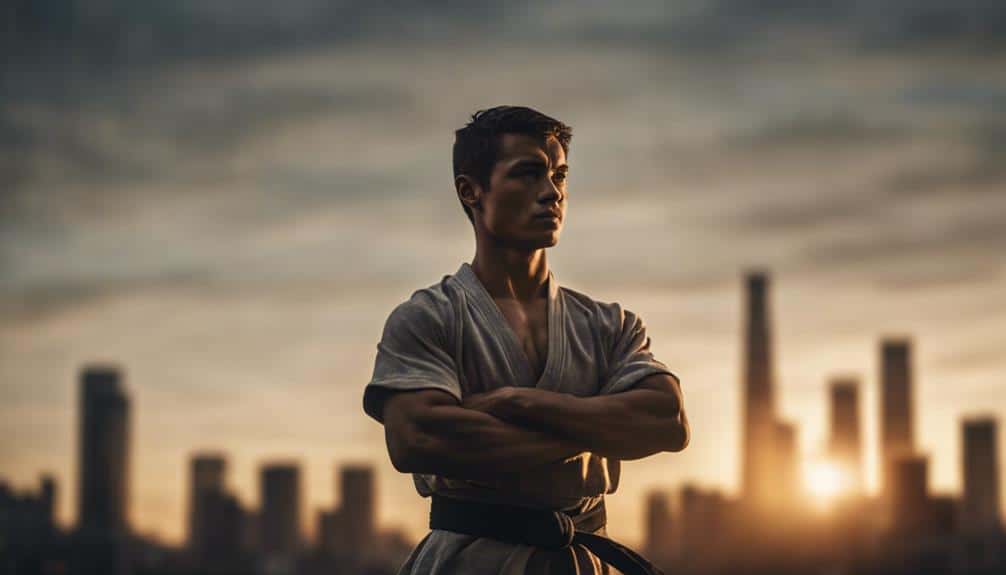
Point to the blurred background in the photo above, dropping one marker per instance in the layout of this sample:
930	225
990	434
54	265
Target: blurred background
209	208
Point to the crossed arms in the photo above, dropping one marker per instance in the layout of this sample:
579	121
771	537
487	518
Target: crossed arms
513	429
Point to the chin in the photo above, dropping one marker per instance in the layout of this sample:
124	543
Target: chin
536	243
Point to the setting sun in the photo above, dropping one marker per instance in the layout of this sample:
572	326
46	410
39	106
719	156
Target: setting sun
824	481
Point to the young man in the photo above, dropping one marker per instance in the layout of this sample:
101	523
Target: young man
510	399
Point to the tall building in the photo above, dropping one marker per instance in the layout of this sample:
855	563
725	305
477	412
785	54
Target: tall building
103	465
759	425
27	531
222	540
896	425
908	489
845	441
702	513
787	465
207	477
980	507
47	495
359	509
329	528
659	523
279	521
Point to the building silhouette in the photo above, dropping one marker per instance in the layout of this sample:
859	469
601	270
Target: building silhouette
30	540
329	527
358	508
659	528
223	540
845	437
896	424
787	459
758	395
27	515
279	520
909	479
207	476
980	505
702	512
48	493
103	494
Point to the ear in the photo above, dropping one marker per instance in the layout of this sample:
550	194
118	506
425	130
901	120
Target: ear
469	192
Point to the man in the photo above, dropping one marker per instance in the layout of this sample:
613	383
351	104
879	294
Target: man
511	399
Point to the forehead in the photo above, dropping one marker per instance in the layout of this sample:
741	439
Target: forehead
514	147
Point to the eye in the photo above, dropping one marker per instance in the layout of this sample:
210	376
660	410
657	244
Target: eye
526	173
559	176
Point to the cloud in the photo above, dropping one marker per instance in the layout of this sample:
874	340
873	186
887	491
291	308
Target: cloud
856	24
824	130
981	172
976	357
975	177
805	215
38	302
983	232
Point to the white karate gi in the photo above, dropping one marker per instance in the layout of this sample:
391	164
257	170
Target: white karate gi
452	336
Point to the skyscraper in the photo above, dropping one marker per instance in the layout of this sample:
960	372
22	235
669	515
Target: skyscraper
787	465
759	425
206	483
845	443
702	513
980	461
896	426
358	508
279	522
908	489
659	525
47	495
330	529
103	465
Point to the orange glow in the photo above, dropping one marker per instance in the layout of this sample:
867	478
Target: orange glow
824	482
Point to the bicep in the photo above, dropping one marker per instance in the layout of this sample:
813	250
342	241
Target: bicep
669	384
665	384
402	414
409	405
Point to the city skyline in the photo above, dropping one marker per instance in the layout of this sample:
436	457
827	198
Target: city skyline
101	387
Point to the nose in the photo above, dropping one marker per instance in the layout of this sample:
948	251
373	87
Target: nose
551	193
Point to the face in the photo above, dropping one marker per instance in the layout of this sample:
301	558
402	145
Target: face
525	204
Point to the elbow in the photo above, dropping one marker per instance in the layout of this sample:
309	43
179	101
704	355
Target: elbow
401	460
679	434
403	448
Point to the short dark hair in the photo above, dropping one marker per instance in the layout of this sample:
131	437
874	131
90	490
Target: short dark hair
476	145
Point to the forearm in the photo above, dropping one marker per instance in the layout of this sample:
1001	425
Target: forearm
462	443
628	425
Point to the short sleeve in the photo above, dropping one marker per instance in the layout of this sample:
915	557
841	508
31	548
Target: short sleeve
629	359
412	354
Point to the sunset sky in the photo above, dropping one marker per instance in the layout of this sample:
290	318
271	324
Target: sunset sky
233	230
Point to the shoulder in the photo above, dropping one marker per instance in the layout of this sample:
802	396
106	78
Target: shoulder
610	318
428	308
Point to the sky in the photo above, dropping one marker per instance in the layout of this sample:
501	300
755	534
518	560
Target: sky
228	198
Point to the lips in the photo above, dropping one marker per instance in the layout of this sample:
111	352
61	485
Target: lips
549	215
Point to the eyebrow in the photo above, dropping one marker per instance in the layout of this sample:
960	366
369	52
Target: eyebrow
536	162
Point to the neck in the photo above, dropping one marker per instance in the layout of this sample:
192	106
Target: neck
511	273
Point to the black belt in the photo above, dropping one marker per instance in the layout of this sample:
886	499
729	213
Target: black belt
536	527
